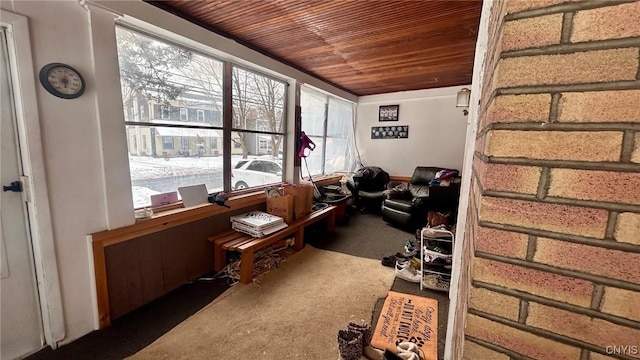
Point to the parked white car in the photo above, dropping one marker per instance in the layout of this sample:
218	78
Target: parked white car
255	172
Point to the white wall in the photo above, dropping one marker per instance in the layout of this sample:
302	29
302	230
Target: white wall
437	131
60	33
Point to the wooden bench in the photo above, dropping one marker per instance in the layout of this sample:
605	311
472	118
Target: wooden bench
248	245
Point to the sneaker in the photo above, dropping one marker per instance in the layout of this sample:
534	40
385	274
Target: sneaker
438	267
442	247
390	355
435	282
410	245
437	260
407	255
436	232
405	271
436	252
390	261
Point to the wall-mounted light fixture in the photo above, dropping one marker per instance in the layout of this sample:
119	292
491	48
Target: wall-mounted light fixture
462	100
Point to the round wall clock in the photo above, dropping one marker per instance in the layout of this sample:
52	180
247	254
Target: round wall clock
62	80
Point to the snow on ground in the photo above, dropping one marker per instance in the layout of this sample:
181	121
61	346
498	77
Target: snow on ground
172	172
147	167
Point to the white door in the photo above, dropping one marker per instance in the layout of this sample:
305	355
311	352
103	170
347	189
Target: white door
20	318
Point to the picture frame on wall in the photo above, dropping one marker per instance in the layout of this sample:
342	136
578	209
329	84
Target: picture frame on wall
389	113
390	132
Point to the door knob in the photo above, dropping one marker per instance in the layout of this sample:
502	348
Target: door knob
15	186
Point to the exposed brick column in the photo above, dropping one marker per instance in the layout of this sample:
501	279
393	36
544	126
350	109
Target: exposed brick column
553	228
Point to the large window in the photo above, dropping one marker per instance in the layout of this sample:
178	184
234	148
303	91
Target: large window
258	127
328	122
175	100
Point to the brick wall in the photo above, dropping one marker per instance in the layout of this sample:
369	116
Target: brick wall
553	226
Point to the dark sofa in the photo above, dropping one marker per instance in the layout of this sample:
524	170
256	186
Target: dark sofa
406	205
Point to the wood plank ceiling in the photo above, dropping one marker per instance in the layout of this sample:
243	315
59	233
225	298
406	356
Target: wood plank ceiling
365	47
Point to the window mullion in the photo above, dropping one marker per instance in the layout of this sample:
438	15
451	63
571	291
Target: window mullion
324	134
227	123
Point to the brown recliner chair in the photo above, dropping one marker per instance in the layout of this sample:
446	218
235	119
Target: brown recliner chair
406	206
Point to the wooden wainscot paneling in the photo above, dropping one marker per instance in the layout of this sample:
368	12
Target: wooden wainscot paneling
157	223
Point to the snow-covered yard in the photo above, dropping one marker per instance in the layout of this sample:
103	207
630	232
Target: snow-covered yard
151	175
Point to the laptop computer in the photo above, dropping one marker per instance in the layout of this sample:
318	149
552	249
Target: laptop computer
194	195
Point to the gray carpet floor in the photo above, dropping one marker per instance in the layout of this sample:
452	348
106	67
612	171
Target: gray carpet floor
363	235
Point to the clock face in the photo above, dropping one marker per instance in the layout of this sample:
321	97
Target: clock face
62	80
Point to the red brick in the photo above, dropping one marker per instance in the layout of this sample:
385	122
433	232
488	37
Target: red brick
480	147
600	106
532	32
575	68
611	22
594	260
621	302
628	228
544	216
606	186
519	108
491	302
519	341
504	243
590	330
556	145
537	282
473	351
635	156
498	11
511	178
476	194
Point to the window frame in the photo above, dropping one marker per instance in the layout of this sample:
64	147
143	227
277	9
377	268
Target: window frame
165	142
164	109
227	126
325	124
266	146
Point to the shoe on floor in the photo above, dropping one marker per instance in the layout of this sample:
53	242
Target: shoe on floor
390	355
405	271
410	245
350	345
389	261
406	255
408	351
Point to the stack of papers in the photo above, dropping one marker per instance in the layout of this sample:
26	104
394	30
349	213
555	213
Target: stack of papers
257	223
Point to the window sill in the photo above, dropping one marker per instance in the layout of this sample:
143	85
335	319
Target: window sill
169	216
176	216
328	179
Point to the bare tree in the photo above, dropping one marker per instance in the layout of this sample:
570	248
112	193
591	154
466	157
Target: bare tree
243	106
205	77
270	96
